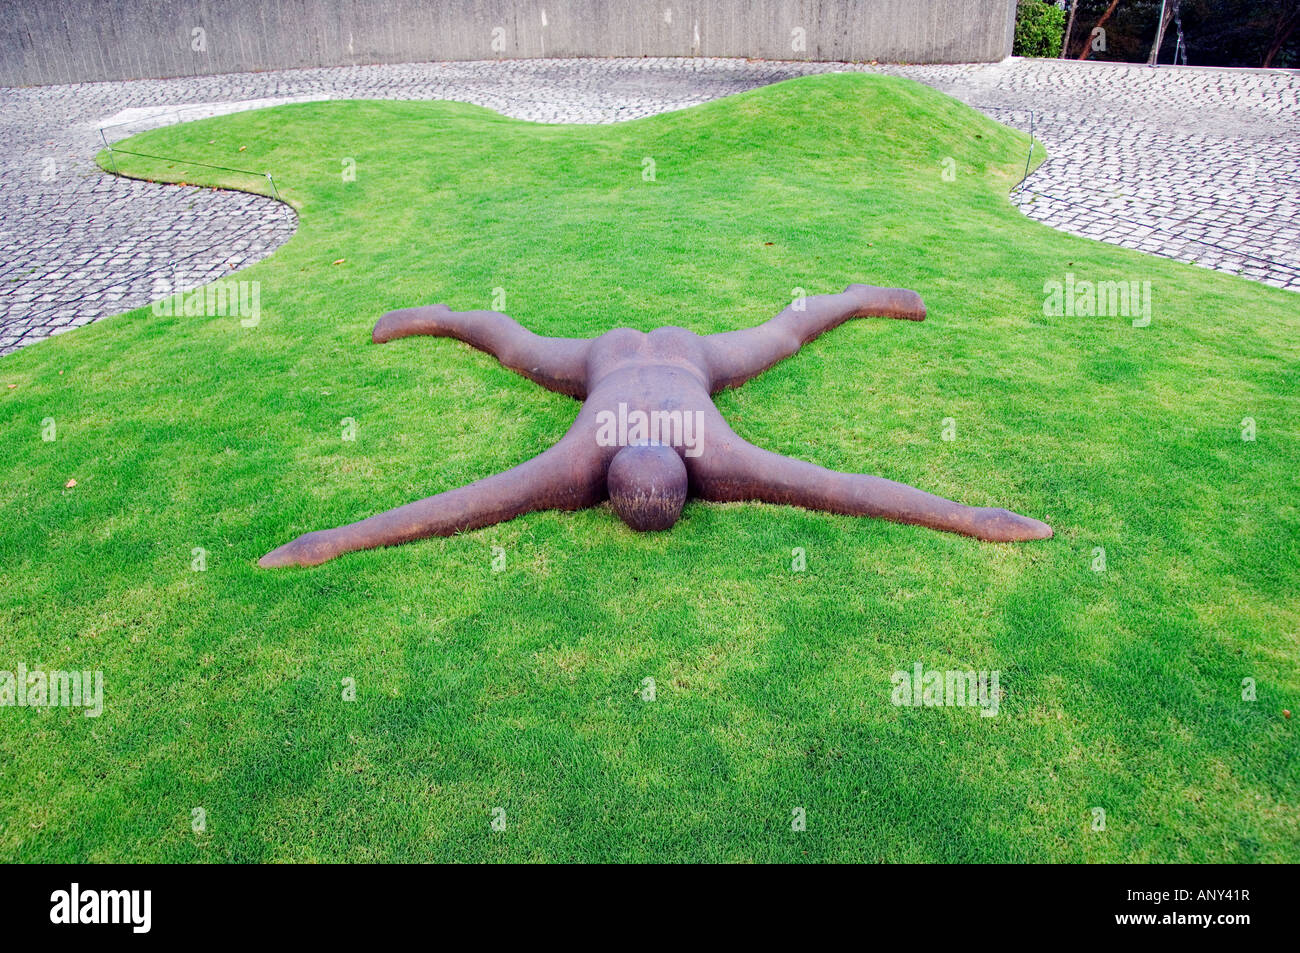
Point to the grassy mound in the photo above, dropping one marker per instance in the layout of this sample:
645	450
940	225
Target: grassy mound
523	689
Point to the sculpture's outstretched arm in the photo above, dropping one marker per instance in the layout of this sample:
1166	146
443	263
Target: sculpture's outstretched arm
736	356
568	476
732	470
558	364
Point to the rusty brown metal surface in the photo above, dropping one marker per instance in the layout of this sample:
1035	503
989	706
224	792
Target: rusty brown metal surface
647	399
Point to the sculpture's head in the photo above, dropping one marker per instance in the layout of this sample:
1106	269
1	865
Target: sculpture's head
647	486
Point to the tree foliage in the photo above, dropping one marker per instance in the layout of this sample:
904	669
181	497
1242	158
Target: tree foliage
1040	26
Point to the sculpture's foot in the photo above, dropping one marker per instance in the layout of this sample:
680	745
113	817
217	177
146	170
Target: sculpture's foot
406	322
309	549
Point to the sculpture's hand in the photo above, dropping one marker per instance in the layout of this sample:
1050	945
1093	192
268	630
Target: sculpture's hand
568	476
309	549
733	470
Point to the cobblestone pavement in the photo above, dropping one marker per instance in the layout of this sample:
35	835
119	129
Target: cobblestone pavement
1200	165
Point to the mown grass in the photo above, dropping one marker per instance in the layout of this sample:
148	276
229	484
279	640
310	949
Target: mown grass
522	689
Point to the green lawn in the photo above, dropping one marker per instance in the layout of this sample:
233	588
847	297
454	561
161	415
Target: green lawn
522	689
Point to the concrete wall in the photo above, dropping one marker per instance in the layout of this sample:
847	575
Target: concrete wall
68	41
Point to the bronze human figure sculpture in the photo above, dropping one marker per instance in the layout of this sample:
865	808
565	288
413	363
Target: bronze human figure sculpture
648	433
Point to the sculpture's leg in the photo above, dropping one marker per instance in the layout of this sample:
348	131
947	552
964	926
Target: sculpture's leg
732	470
568	476
736	356
558	364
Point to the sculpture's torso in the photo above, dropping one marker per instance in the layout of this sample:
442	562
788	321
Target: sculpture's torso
665	369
